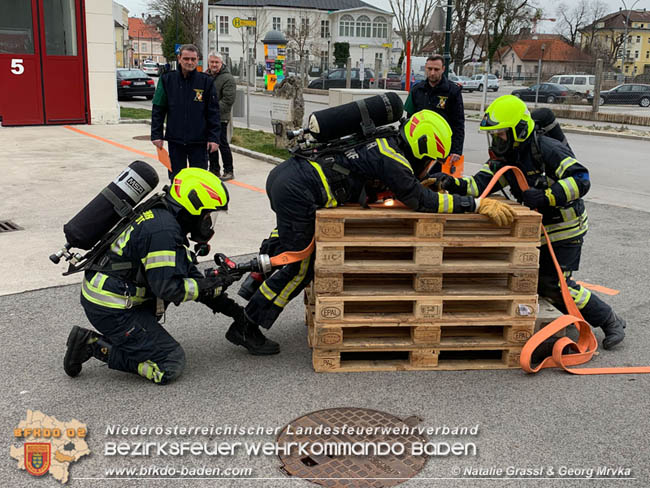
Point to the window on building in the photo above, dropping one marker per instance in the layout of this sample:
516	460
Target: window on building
324	29
518	69
223	24
379	28
638	39
304	27
16	27
60	27
291	53
225	51
135	46
346	26
323	60
647	54
636	54
277	24
379	56
291	26
363	26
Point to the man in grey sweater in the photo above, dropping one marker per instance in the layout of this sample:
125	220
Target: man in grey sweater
225	86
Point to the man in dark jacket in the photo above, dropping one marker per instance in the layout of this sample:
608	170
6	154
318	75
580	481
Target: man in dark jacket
557	181
226	88
147	267
299	186
437	93
188	100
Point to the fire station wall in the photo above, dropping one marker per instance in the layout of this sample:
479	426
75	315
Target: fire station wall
100	37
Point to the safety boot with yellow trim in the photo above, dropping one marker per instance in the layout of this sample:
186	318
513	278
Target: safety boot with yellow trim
614	329
82	345
245	333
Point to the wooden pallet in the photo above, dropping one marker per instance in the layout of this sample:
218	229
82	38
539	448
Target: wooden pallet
432	359
507	282
381	256
403	225
410	336
425	309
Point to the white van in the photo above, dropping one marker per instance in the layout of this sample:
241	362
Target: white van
582	84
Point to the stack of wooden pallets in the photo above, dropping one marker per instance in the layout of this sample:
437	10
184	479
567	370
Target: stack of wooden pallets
403	290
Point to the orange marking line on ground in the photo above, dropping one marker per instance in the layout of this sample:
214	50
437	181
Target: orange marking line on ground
148	155
601	289
248	187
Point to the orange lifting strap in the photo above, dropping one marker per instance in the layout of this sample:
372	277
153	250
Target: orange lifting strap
587	343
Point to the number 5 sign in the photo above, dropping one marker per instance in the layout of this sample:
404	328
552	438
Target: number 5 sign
17	67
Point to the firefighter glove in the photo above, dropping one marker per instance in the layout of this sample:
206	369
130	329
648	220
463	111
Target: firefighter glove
535	199
213	285
498	211
443	181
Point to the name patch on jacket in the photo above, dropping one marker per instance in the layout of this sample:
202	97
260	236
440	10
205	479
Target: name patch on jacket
442	101
199	95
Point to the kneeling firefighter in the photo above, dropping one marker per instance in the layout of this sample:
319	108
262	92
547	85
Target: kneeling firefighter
304	183
126	290
557	183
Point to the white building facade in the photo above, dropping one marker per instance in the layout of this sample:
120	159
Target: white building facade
310	26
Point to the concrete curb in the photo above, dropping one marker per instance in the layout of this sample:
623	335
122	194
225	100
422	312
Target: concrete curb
256	155
135	121
592	132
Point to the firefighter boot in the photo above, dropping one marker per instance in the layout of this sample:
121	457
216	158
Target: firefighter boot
82	345
614	330
246	333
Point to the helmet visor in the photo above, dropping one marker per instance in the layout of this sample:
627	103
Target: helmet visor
499	141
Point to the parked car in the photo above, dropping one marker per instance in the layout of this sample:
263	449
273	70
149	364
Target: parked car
626	94
493	82
151	68
455	79
132	82
391	82
548	92
336	79
468	83
414	79
582	84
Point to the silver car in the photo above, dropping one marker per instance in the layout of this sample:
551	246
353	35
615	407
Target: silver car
493	82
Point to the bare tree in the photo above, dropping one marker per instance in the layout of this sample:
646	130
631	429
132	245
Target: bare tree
412	17
575	19
502	20
464	20
189	13
598	10
607	48
260	15
304	37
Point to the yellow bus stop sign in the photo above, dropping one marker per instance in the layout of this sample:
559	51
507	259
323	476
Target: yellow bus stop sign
237	22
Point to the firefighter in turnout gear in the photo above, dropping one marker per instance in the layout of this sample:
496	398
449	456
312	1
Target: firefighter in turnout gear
301	185
557	181
126	291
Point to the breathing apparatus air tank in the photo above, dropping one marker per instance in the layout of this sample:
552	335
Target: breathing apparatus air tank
113	203
358	117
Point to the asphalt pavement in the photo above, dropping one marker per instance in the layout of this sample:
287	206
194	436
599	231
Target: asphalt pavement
551	421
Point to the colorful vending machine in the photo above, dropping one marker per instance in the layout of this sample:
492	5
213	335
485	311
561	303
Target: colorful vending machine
275	49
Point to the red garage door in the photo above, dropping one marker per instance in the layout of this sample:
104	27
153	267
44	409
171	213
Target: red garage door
42	62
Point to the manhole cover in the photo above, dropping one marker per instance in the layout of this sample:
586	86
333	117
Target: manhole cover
331	435
142	138
8	226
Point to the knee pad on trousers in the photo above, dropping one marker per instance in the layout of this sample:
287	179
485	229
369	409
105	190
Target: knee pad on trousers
165	371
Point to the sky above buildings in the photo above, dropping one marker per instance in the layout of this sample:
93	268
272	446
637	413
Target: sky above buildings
138	7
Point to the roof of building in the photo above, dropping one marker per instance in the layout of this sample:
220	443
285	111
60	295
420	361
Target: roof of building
138	28
554	50
329	5
616	20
